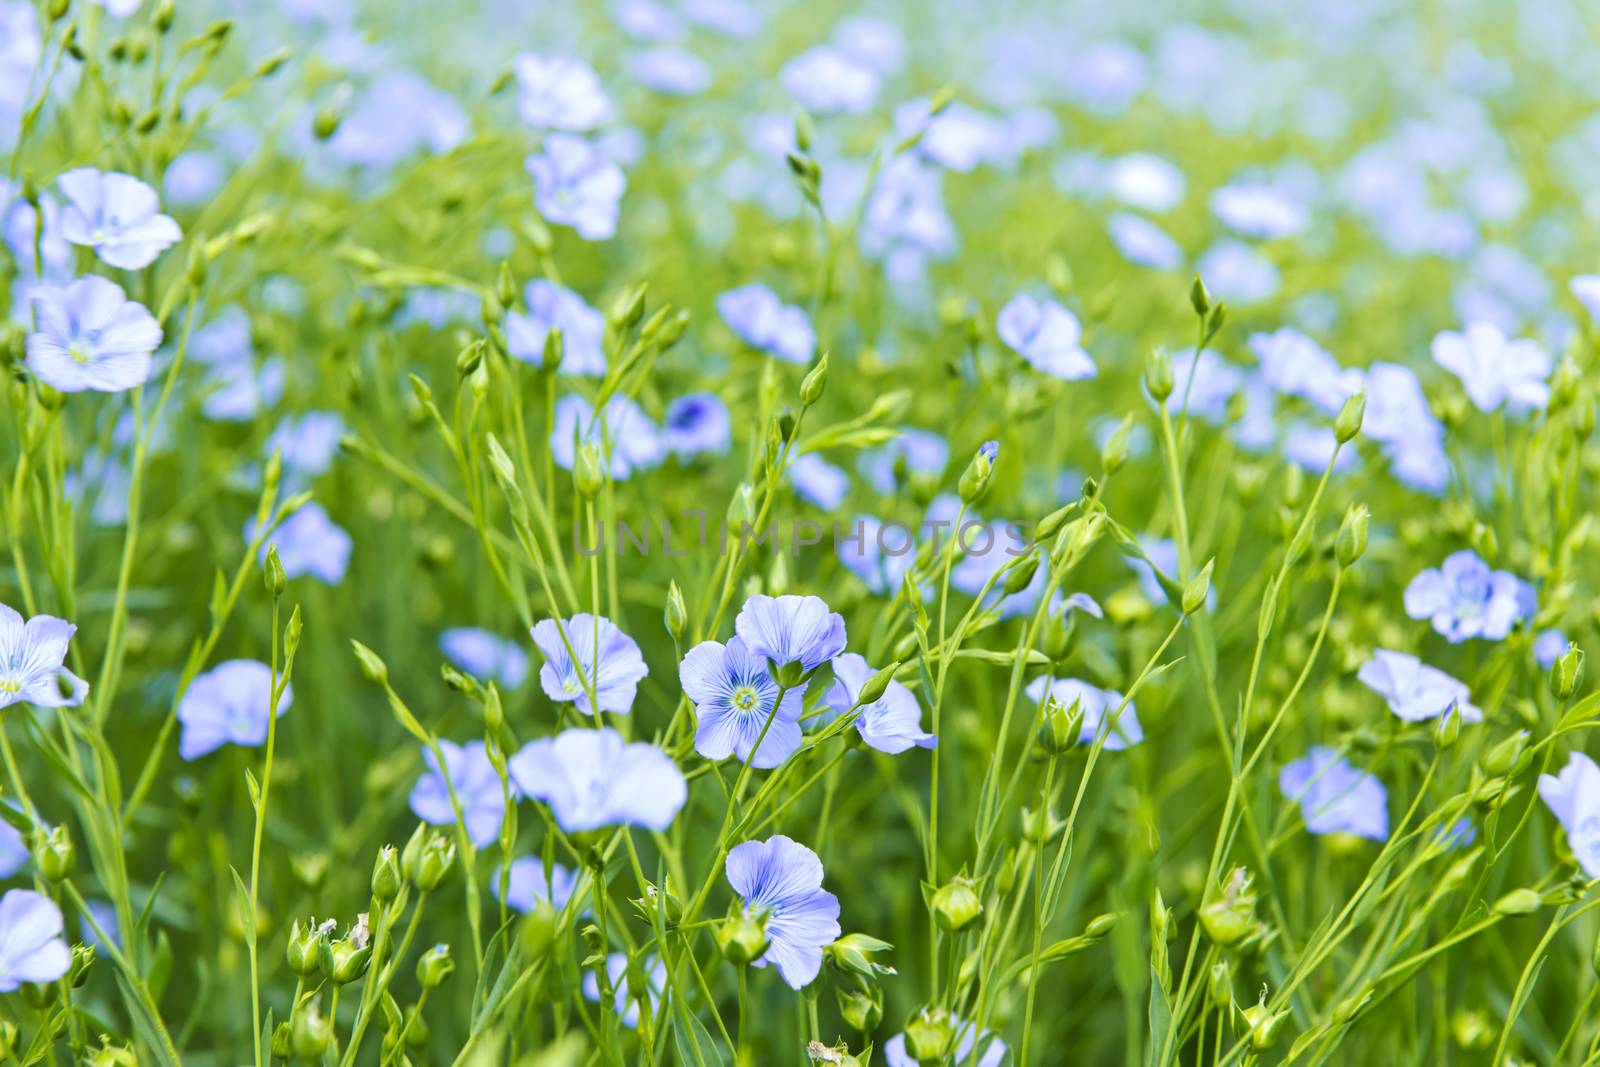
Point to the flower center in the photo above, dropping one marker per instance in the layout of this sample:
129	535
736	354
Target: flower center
79	353
745	698
571	686
10	685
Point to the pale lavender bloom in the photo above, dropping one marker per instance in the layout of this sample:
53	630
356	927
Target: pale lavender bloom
1548	647
91	336
958	138
193	177
780	883
227	705
791	629
1313	447
733	18
1415	691
14	854
552	306
617	971
1463	598
477	787
237	392
590	779
575	185
647	20
607	661
827	80
818	481
116	215
1047	335
922	452
892	723
103	915
306	444
528	884
1397	408
1097	705
31	658
1215	383
31	946
20	222
968	1036
560	93
1586	287
874	41
1142	242
309	543
399	115
1294	364
1146	181
1419	461
881	556
634	441
734	696
1493	370
759	319
1237	273
986	547
1106	77
905	212
695	423
1573	797
120	8
20	49
485	654
1258	209
671	71
1162	553
1334	797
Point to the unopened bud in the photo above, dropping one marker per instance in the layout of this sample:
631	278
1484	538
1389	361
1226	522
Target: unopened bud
741	939
1199	587
386	876
676	615
1199	297
975	480
1522	901
1351	542
588	472
1158	374
438	855
435	967
1566	673
956	904
54	854
815	382
1348	422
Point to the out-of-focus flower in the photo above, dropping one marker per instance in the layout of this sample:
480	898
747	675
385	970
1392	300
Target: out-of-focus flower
91	336
1463	598
1415	691
478	790
560	93
590	779
398	116
528	884
1237	273
575	185
1142	242
628	432
627	1005
1146	181
826	80
759	319
818	481
1548	647
309	543
1493	370
117	215
695	423
670	71
1258	209
1047	335
552	306
1294	364
31	946
1573	797
228	705
484	654
1335	797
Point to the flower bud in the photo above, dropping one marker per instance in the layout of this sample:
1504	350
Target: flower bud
346	960
1228	918
873	688
537	931
310	1033
1219	986
434	861
862	1011
956	904
435	967
1020	574
812	385
109	1055
372	666
386	876
588	473
1351	542
628	308
1264	1025
1061	726
1449	728
929	1035
83	957
1101	925
282	1041
1158	374
1522	901
1199	297
676	615
853	953
1199	587
1566	673
1503	756
1115	452
975	479
741	938
1348	422
667	902
304	944
53	853
1348	1008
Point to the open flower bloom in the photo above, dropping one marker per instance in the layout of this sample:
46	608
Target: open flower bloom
31	946
1494	370
575	185
1463	598
780	882
31	657
590	779
227	705
1046	335
733	695
91	336
759	319
555	307
309	542
117	215
607	662
528	884
617	972
485	655
477	789
1414	690
1573	796
1335	797
1095	704
694	423
624	429
892	723
791	629
560	93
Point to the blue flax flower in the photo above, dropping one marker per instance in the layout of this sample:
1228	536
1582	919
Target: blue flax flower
1573	797
14	853
695	423
1548	647
485	655
819	482
1494	370
31	657
528	884
1335	797
1415	691
627	1005
309	543
1095	704
116	215
477	788
590	779
91	336
828	80
791	630
626	430
1463	598
759	319
1047	335
780	882
227	705
968	1035
31	946
892	723
575	185
555	307
607	661
733	695
560	93
1294	364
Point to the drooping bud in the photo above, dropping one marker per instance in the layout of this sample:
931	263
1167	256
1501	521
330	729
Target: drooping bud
853	954
873	688
956	904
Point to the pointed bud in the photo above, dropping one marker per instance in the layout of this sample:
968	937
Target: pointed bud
1061	727
676	615
975	480
272	572
815	381
435	967
588	472
853	954
1158	374
438	855
1351	543
1506	754
1348	423
1115	452
54	854
1199	297
386	876
304	942
372	666
1199	587
1566	673
956	904
1522	901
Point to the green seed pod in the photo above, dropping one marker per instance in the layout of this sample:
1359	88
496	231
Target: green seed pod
1566	673
435	967
929	1035
538	930
956	904
53	853
1503	756
862	1011
741	938
386	876
82	963
1061	726
302	950
310	1032
282	1041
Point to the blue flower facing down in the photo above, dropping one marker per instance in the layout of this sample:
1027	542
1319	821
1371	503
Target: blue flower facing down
31	658
607	661
1335	797
1463	598
1573	797
116	215
1095	704
555	307
227	705
477	788
1415	691
733	694
575	185
780	882
791	630
528	884
31	946
695	423
759	319
485	655
1047	335
91	336
892	723
591	778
